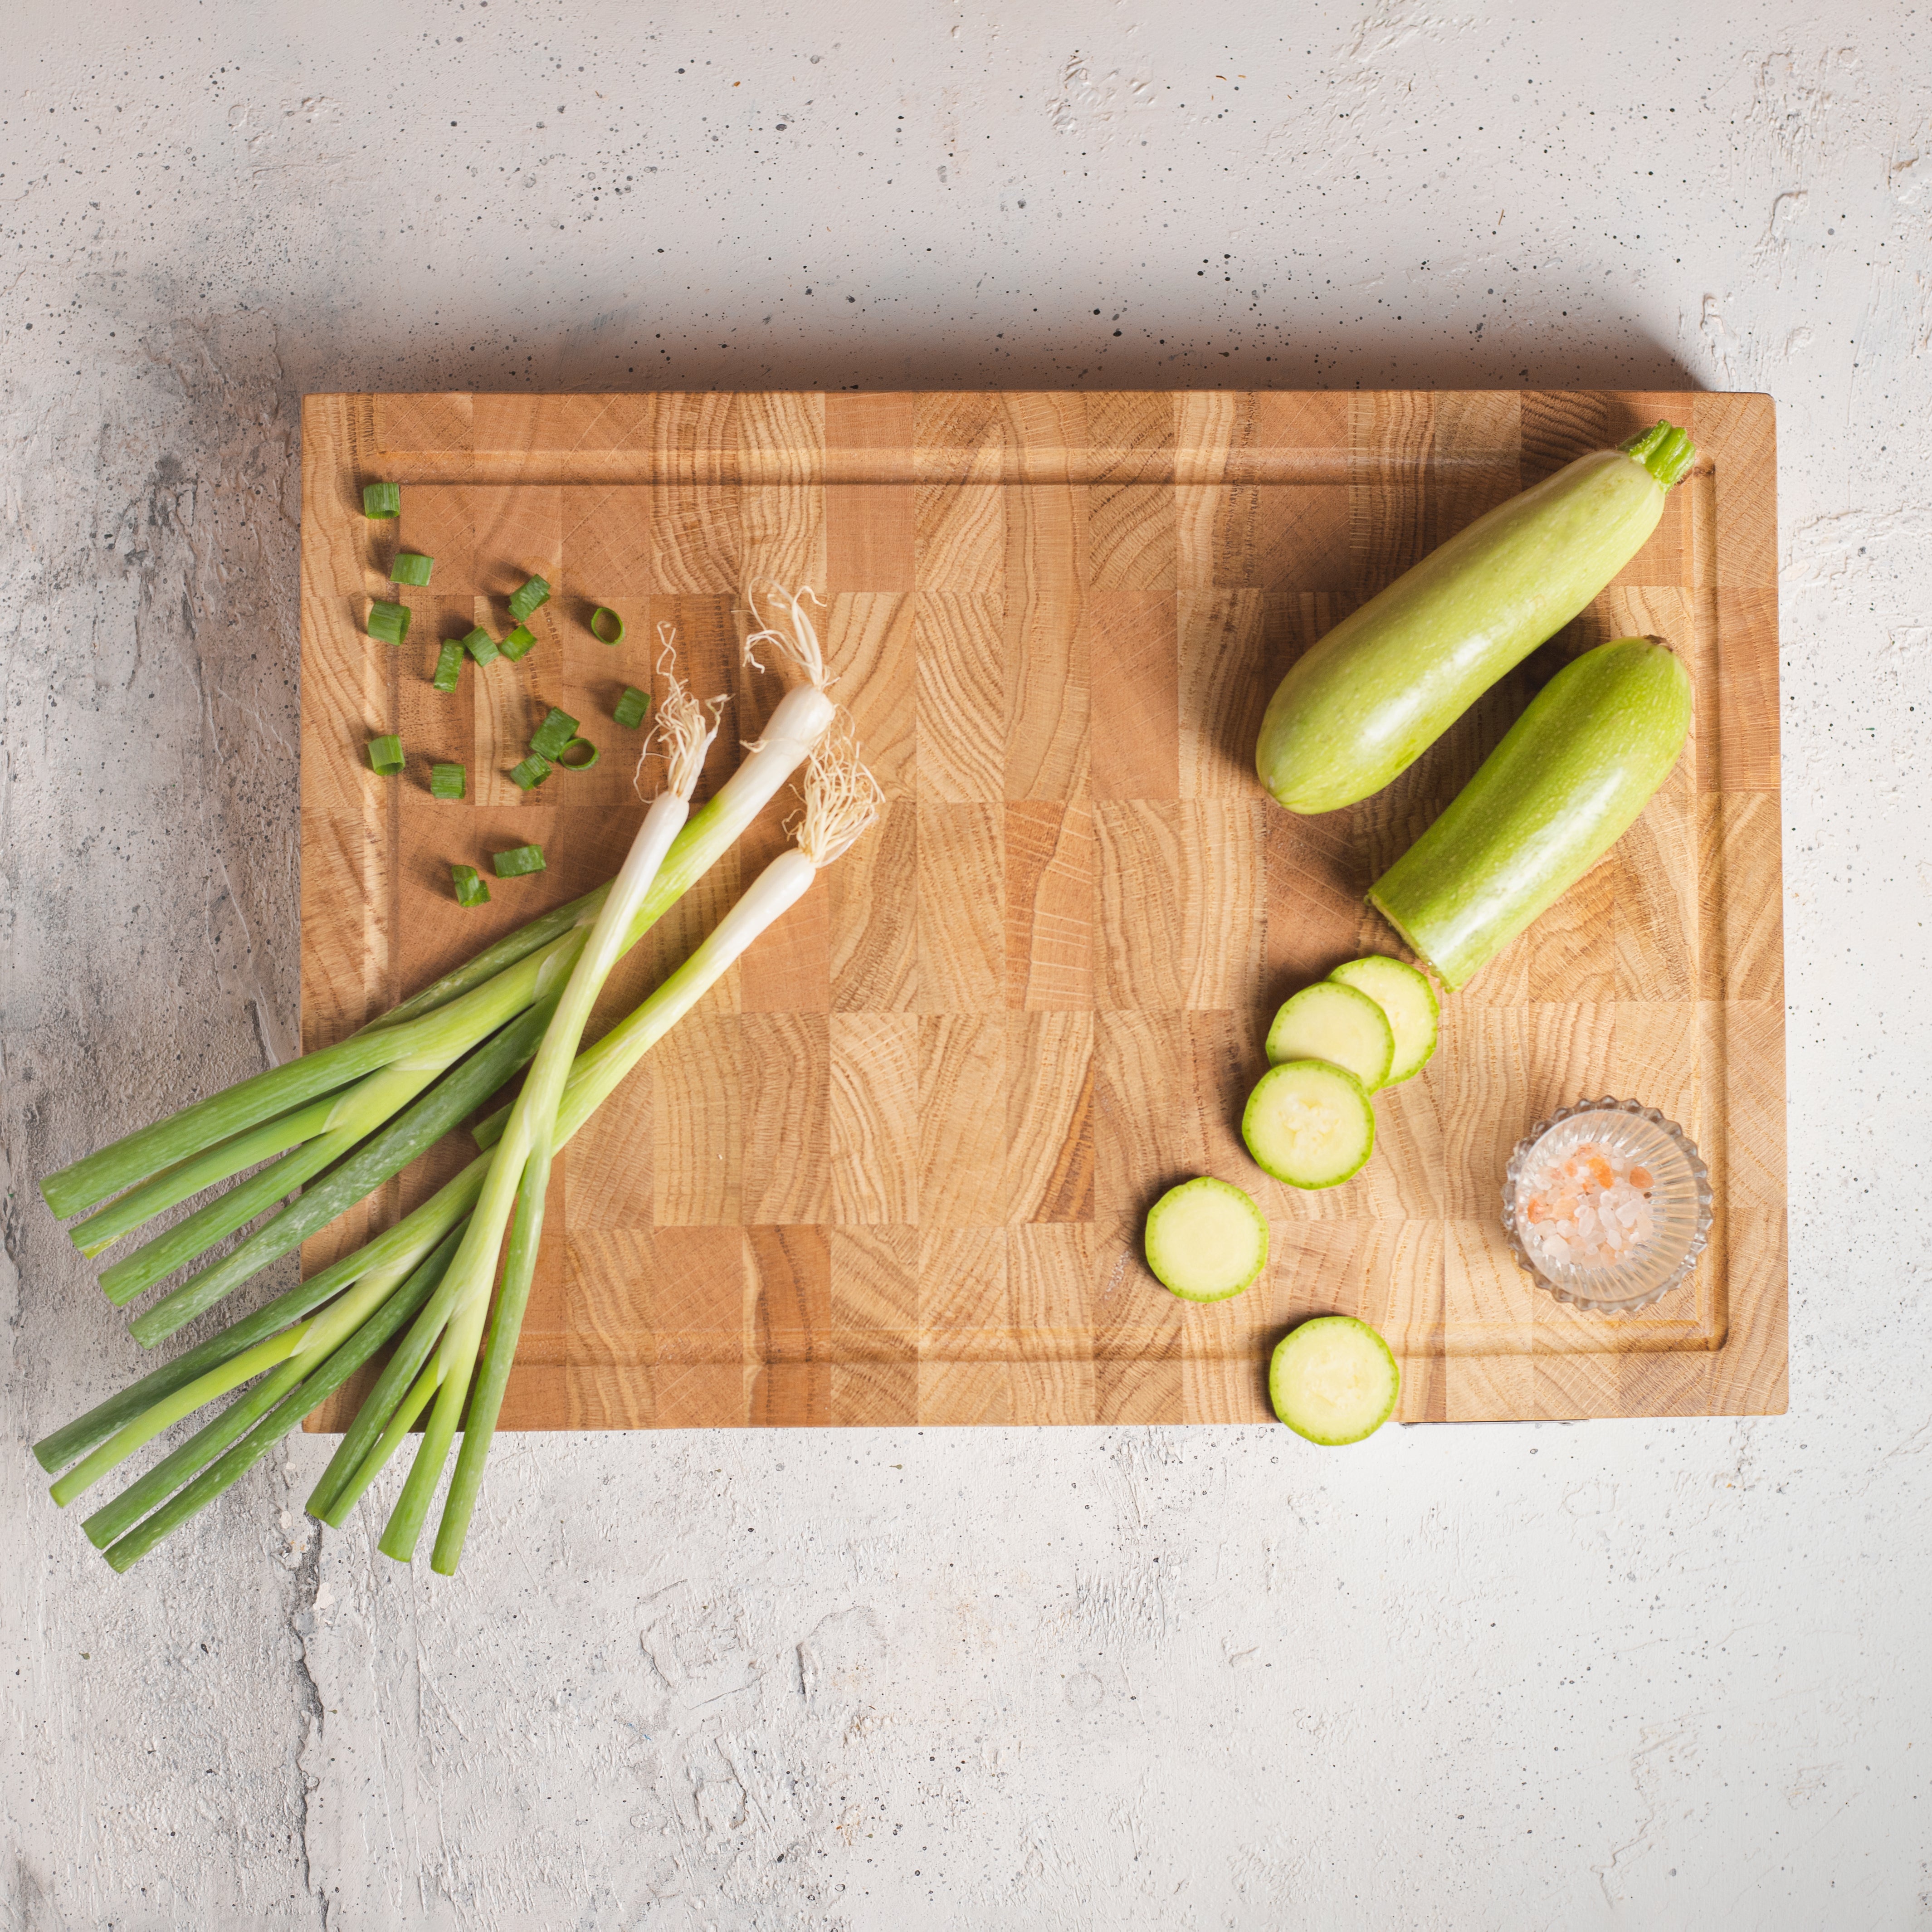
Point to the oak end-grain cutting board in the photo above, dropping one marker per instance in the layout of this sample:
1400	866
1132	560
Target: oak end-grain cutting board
893	1170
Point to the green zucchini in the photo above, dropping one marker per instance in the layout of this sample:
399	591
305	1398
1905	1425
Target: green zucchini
1206	1240
1333	1380
1409	1000
1549	802
1375	693
1339	1024
1310	1123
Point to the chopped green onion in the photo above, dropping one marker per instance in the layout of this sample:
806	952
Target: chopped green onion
385	755
606	626
517	861
531	773
519	644
389	623
534	594
632	708
579	763
445	781
448	665
471	889
411	566
557	730
382	499
481	645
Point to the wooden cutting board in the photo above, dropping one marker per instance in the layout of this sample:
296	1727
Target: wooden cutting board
893	1170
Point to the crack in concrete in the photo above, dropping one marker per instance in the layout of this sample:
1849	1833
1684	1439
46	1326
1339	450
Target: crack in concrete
301	1620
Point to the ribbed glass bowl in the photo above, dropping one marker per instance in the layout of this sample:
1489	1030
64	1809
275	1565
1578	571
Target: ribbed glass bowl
1680	1203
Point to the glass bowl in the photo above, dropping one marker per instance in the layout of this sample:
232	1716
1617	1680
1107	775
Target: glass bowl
1680	1204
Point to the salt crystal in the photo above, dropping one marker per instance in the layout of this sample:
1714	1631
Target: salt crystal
1586	1207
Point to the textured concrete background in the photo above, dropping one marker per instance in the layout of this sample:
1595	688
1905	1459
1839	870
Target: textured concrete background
1608	1675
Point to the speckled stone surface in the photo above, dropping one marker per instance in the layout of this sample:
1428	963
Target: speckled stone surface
1663	1676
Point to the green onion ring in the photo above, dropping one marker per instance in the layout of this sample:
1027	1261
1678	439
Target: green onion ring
520	859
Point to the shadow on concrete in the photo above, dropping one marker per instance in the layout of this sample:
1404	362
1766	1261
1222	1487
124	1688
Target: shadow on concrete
1614	353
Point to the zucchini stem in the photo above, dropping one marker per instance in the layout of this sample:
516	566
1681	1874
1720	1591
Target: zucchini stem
1665	450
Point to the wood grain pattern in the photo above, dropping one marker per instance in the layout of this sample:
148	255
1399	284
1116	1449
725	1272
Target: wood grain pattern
892	1171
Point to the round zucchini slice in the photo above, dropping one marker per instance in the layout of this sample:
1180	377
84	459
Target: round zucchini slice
1206	1240
1309	1123
1336	1023
1333	1380
1407	1000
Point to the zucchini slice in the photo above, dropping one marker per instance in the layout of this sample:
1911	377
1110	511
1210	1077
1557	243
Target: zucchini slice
1333	1380
1409	1001
1206	1240
1339	1024
1310	1123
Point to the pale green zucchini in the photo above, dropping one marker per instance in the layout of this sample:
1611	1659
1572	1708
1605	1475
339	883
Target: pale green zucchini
1308	1123
1333	1380
1339	1024
1206	1240
1387	682
1410	1002
1549	802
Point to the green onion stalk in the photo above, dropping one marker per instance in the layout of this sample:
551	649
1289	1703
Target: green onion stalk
401	1280
305	1118
519	1172
393	1277
841	799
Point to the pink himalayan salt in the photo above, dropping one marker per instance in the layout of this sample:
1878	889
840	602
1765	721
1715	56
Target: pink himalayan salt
1588	1208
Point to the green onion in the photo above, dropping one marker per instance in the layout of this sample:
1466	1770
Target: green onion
519	643
132	1504
557	730
411	566
448	1030
497	976
412	1132
400	1248
842	800
445	781
326	1368
519	860
534	594
606	626
382	499
221	1162
579	763
448	665
471	888
530	772
386	1266
134	1274
385	755
521	1167
632	708
481	645
388	622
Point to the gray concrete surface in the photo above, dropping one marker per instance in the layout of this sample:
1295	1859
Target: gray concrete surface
1609	1675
